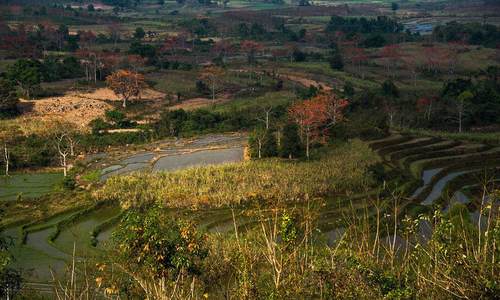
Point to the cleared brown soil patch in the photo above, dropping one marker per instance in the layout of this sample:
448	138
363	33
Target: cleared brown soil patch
79	108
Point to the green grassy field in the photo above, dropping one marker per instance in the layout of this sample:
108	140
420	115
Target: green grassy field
28	185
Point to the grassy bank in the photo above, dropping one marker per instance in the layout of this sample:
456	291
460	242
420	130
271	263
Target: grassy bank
338	170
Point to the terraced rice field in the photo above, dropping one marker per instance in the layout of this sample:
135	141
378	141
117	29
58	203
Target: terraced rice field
441	170
443	167
207	150
47	244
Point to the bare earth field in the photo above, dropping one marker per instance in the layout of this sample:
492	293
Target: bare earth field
79	108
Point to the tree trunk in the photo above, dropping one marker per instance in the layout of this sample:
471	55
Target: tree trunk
95	71
460	121
6	156
213	90
260	147
267	120
65	167
307	144
430	110
124	102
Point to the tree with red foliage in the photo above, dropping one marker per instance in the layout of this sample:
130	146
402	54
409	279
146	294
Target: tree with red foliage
114	31
134	61
169	45
315	115
168	48
250	48
222	49
87	39
424	104
18	44
358	57
391	54
434	58
452	55
334	108
290	48
412	65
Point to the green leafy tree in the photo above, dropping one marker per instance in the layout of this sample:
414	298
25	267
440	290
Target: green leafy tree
349	89
269	144
8	98
115	117
336	62
98	125
290	142
389	89
462	101
139	33
71	68
26	74
391	93
255	142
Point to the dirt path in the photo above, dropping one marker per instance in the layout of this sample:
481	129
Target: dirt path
199	102
307	82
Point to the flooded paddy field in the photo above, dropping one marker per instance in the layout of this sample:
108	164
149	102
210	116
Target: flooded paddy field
48	244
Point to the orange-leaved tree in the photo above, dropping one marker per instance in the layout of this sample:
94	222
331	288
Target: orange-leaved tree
212	74
126	84
315	115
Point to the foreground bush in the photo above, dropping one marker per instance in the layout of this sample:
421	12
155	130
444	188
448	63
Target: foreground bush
284	257
339	170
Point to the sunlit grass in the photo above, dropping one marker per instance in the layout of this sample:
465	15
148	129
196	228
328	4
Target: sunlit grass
339	170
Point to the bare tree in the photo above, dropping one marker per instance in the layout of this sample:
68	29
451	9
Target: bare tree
72	142
64	149
267	116
259	136
6	157
8	136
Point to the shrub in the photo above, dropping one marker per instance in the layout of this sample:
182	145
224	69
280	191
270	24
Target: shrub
98	125
69	182
8	99
290	143
336	62
269	145
167	253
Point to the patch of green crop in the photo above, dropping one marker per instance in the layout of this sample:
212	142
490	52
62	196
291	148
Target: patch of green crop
29	185
92	176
